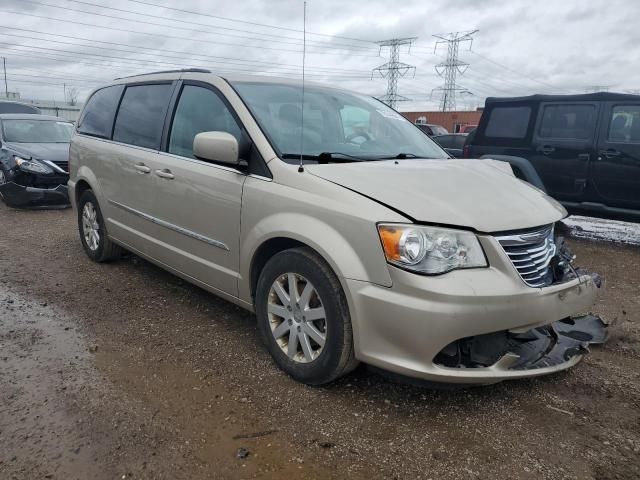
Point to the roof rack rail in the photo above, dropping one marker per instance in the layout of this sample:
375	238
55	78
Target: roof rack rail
183	70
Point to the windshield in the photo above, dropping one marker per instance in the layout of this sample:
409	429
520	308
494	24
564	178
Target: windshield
36	131
335	122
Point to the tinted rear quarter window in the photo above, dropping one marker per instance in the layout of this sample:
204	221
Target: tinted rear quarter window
97	118
569	122
508	122
141	115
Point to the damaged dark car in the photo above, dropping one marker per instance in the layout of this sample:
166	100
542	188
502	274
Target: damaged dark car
34	160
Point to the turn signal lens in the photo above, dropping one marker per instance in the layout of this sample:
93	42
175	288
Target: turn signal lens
390	237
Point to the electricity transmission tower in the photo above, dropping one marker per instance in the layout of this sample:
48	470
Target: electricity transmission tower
394	69
451	67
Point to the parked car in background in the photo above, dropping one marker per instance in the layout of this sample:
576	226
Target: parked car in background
431	129
34	160
583	150
468	128
17	107
369	244
453	143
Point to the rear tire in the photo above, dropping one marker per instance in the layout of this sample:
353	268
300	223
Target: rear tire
307	330
93	232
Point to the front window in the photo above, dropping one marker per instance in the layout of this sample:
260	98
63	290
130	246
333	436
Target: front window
335	122
624	124
36	131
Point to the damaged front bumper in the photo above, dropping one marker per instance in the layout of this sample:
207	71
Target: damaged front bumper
475	326
21	196
539	348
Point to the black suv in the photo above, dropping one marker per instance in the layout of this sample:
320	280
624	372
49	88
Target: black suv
584	150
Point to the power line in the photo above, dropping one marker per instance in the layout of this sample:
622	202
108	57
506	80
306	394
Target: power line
164	36
228	19
510	69
66	55
275	38
155	51
394	69
451	67
181	58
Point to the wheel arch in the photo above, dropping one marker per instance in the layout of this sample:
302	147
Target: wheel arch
522	167
348	249
267	250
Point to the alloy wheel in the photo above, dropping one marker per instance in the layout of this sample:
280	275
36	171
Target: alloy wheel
90	226
297	317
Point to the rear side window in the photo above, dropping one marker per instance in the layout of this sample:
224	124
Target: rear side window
199	110
508	122
141	115
624	124
570	122
97	118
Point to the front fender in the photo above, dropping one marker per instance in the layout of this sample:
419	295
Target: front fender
329	242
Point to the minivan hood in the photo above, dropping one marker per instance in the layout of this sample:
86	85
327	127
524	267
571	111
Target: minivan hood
478	194
55	152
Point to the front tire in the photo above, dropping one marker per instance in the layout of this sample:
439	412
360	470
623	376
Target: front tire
303	317
93	233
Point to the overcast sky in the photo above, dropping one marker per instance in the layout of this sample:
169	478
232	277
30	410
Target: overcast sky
522	47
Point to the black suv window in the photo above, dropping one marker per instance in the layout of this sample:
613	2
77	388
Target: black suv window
624	124
508	122
141	115
97	118
199	110
572	122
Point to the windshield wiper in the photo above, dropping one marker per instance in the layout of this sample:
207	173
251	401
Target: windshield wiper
401	156
326	157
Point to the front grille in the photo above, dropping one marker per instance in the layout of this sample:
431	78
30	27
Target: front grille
531	252
63	165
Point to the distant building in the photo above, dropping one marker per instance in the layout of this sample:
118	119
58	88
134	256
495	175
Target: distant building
452	121
57	109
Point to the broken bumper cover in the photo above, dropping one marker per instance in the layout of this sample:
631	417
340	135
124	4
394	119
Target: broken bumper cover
541	347
405	328
16	195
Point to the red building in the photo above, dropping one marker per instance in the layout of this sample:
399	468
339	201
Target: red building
452	121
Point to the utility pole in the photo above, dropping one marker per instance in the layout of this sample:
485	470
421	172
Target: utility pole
4	66
64	90
394	69
451	67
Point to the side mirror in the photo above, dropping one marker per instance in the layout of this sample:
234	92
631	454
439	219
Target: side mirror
217	147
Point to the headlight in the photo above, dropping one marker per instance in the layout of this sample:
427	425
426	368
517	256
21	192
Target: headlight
430	250
31	166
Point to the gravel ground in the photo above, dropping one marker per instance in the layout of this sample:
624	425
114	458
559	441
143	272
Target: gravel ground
125	371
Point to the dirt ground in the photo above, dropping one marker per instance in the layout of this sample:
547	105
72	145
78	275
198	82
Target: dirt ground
125	371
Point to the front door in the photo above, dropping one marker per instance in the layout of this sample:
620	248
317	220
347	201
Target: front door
563	146
616	170
197	203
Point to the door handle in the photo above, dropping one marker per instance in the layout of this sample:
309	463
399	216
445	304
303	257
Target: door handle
141	168
165	173
609	153
546	149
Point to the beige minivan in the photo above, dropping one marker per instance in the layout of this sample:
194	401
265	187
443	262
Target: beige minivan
351	235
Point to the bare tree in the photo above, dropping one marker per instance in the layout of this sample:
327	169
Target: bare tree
72	95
